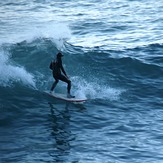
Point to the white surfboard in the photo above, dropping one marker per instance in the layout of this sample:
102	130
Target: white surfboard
64	97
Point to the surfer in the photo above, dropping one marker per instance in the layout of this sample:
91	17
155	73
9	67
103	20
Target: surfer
58	69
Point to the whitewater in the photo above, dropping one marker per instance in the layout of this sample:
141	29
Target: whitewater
113	56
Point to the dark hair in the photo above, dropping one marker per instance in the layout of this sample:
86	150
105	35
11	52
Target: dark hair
59	54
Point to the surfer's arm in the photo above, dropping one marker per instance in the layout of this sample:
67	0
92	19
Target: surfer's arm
63	71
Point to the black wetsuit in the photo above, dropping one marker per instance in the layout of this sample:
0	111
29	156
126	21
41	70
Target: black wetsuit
57	68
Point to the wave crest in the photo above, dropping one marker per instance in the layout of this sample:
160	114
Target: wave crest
11	73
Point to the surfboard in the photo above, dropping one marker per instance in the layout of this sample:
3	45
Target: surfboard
64	97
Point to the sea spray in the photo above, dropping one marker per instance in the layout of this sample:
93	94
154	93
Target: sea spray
94	90
10	73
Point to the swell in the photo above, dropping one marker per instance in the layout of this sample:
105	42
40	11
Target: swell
151	53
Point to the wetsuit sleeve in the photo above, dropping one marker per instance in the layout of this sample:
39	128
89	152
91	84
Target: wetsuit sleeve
62	68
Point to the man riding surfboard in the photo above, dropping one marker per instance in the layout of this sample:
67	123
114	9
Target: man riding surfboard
57	69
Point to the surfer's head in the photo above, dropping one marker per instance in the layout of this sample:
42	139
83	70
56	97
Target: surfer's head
59	55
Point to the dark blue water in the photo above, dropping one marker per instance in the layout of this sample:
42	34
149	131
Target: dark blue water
113	56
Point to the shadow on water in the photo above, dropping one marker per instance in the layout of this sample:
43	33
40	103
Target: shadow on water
60	119
61	131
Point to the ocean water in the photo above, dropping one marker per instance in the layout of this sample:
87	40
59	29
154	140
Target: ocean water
113	54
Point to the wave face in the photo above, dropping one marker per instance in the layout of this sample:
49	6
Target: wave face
94	73
113	56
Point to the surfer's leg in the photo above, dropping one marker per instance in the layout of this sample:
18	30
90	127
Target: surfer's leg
54	84
64	79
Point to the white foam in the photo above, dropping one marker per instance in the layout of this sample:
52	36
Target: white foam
57	32
94	90
10	73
